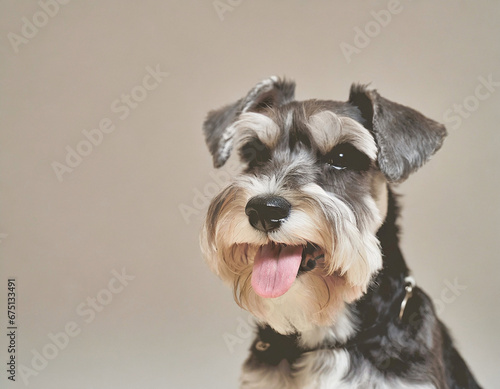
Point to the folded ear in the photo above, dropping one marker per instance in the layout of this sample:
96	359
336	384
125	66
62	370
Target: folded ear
218	128
406	139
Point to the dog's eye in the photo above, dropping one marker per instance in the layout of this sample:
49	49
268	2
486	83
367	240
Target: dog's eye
346	156
255	152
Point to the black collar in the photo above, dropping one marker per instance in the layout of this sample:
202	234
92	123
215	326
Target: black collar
271	347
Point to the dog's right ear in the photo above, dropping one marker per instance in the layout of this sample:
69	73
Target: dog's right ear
218	128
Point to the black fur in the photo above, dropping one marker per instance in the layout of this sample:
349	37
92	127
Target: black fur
417	344
406	138
275	92
417	348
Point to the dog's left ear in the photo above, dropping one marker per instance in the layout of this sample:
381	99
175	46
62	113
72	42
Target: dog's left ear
217	126
406	139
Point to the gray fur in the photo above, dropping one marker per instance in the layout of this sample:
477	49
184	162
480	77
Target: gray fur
270	92
338	325
406	138
350	187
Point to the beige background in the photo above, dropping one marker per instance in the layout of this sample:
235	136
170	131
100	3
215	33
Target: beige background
120	207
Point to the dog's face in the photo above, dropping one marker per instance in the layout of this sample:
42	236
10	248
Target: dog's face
295	233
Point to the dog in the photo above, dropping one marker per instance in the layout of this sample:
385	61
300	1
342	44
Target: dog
306	235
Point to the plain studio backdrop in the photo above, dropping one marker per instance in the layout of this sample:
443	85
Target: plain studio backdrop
104	172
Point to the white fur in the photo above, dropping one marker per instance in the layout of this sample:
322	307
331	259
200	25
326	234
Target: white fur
352	253
253	124
272	377
262	87
315	298
315	306
323	369
289	121
343	328
329	129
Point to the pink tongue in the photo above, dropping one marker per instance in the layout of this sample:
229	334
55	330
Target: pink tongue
275	268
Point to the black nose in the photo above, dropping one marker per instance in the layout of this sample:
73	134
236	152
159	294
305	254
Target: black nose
266	213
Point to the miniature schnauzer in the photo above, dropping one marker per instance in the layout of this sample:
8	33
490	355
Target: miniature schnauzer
306	236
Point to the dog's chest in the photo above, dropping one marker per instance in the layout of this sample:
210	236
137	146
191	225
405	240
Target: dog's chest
323	369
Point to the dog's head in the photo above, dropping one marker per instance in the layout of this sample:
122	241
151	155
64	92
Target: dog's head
295	233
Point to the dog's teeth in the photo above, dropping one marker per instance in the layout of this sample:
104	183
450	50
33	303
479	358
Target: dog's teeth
308	262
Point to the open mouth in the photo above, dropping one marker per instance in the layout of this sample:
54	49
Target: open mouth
277	265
